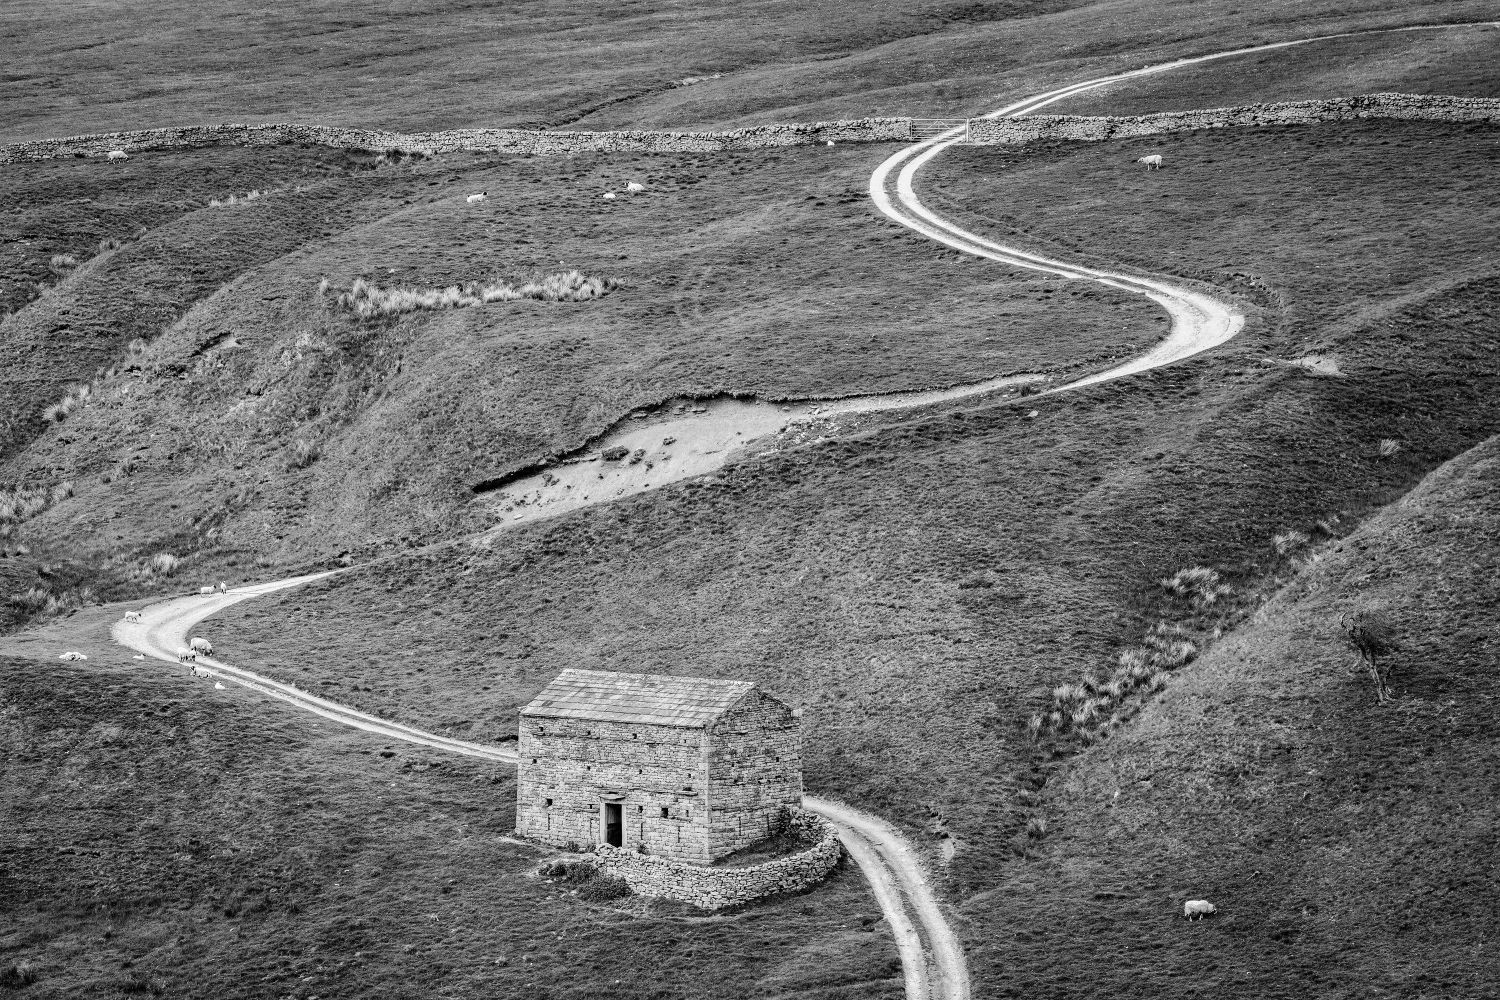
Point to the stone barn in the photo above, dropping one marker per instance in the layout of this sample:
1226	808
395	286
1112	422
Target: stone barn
692	769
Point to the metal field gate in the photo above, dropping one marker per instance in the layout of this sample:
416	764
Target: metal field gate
931	128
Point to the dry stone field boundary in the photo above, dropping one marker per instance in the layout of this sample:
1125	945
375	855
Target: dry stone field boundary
715	888
979	131
1394	107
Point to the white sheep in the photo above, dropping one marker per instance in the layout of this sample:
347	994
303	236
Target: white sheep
205	590
223	587
132	616
635	188
218	686
185	655
201	672
609	196
117	154
72	655
1152	162
1197	909
202	646
830	142
475	199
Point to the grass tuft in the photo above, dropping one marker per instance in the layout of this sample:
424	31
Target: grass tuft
164	563
62	263
74	400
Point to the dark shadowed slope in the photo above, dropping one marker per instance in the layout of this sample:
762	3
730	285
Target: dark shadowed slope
1351	847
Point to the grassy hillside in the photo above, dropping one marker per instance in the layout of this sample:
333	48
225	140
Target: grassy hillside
920	584
756	273
1349	846
548	64
162	838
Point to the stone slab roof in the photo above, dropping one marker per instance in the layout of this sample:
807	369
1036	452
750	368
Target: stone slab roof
651	699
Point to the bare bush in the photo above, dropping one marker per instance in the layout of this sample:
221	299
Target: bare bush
1372	637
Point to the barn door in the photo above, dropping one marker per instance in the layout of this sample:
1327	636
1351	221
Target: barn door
614	825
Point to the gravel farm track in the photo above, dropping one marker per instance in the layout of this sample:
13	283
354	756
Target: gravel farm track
931	954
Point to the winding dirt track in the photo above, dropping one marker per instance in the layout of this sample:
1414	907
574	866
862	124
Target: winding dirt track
931	954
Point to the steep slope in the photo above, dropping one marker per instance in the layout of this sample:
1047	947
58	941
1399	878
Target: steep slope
1350	847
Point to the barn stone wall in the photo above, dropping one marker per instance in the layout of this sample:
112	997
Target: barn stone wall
715	888
754	770
483	140
1401	107
579	764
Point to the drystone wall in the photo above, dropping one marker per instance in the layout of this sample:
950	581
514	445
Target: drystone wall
716	888
482	140
1400	107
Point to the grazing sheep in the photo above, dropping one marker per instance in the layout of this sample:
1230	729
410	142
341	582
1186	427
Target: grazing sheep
609	196
205	590
132	616
635	188
1152	162
1197	909
185	655
223	587
202	646
117	154
72	655
475	199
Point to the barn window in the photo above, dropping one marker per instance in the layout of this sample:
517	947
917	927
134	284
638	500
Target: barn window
665	813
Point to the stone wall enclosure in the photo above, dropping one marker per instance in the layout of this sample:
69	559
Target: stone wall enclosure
716	888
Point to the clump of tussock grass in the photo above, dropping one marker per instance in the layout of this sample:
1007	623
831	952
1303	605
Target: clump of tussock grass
238	199
1091	706
22	503
71	402
1288	541
51	604
1389	447
18	975
304	453
164	564
62	263
1198	584
370	301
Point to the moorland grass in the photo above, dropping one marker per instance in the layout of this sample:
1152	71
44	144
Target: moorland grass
1346	843
764	274
219	845
920	584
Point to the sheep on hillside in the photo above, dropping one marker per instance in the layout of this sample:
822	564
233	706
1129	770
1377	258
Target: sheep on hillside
205	590
72	655
132	616
635	188
474	199
201	672
609	196
117	154
1197	909
1152	162
185	655
223	587
202	646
